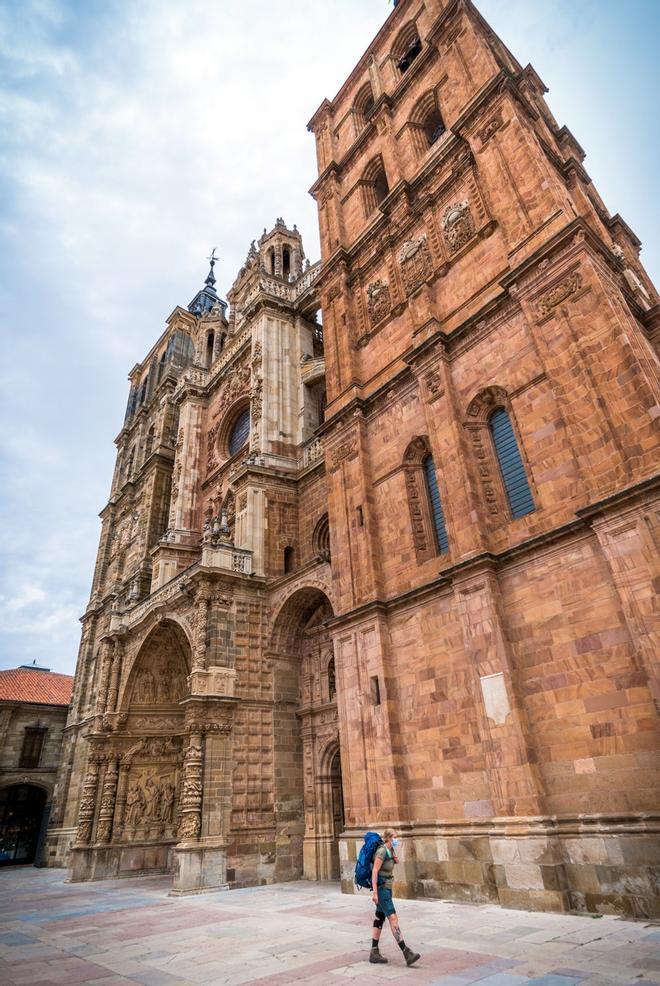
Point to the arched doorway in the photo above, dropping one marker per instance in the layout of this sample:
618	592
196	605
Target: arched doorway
308	791
129	810
21	812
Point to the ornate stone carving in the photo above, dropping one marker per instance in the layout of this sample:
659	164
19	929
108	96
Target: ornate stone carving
458	225
191	798
212	447
200	618
344	450
150	802
560	292
415	263
379	303
491	128
107	809
88	801
433	381
416	512
237	384
162	687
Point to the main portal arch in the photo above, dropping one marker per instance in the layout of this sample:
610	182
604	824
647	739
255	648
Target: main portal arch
129	817
308	789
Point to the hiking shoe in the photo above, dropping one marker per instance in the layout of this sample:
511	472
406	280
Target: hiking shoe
410	956
375	956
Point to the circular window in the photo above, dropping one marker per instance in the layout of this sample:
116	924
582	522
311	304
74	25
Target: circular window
240	432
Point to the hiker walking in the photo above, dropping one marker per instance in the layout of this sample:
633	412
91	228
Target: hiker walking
382	877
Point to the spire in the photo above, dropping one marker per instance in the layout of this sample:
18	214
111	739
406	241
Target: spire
210	280
207	298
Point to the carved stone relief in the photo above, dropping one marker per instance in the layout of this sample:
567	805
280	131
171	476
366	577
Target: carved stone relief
560	292
415	263
379	303
162	687
458	225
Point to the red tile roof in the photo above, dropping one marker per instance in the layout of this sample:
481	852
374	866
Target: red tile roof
40	687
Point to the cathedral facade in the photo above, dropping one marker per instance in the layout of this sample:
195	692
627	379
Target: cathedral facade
399	567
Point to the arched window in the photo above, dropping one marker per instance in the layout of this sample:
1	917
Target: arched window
332	681
210	342
149	444
240	432
286	262
321	539
511	465
427	518
433	126
271	260
375	186
436	505
289	556
362	107
426	123
406	48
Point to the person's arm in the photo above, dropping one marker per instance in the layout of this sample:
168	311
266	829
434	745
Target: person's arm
374	878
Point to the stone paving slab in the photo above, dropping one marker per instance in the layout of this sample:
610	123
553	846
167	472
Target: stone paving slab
128	932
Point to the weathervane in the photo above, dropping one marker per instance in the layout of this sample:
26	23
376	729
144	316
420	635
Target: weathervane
210	280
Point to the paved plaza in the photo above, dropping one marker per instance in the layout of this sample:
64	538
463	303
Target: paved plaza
131	931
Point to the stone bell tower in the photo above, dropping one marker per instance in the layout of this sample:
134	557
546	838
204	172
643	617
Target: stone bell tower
492	450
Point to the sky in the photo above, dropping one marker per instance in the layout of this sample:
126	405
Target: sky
135	135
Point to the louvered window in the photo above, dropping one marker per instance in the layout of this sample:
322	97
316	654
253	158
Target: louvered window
517	488
436	505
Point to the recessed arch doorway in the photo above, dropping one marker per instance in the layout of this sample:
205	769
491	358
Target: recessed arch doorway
309	807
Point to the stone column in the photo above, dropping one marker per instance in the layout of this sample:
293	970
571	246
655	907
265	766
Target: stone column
120	799
200	622
107	809
190	812
115	675
106	661
88	802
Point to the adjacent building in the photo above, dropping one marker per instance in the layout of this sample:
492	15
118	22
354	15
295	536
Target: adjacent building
381	545
34	703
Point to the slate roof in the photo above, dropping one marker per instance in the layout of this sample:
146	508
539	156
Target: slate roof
38	687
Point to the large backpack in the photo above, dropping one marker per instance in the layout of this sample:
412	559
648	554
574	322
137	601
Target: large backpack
365	860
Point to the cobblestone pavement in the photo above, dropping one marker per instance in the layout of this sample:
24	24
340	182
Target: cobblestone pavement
130	931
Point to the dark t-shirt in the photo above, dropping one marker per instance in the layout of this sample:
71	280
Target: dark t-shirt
386	872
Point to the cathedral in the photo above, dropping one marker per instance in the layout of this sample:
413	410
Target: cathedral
381	545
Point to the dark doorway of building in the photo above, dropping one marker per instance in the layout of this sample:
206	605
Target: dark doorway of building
21	809
337	799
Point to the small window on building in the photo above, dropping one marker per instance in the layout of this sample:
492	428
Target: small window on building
33	742
433	127
375	186
409	56
271	260
511	465
363	105
240	432
375	690
381	187
286	263
436	504
289	557
210	342
332	681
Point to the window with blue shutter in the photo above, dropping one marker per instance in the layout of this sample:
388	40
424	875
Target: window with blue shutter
240	432
436	505
517	488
